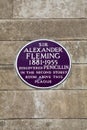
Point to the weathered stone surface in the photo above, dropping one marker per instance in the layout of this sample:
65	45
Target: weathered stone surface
16	104
9	50
84	124
50	9
43	104
44	124
76	80
1	124
10	80
6	8
76	49
44	28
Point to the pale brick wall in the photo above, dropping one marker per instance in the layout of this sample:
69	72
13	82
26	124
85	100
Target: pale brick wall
59	109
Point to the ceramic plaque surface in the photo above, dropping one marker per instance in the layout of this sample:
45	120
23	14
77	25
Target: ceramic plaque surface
43	63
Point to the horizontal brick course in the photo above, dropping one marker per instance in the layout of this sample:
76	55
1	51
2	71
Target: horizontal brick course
49	9
44	124
58	29
43	104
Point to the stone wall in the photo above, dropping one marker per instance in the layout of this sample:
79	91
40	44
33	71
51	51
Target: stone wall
25	108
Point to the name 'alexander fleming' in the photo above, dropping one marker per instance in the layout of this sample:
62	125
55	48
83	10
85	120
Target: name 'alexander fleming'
43	53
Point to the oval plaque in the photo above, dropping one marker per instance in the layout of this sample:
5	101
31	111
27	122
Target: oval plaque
43	63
